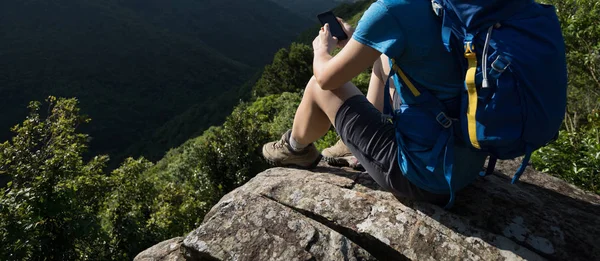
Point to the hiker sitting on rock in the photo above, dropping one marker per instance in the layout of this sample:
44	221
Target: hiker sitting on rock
408	32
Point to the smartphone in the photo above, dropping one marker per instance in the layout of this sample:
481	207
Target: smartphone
334	25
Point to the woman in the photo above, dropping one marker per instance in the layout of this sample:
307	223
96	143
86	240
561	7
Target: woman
408	32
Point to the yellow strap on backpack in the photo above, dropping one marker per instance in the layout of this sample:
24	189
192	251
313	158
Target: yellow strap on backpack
472	91
409	84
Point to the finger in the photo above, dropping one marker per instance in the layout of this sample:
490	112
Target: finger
322	32
344	24
348	29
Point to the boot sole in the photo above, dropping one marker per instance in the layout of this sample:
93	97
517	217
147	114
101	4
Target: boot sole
347	161
311	166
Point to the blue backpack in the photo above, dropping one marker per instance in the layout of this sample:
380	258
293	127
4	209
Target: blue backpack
514	99
515	92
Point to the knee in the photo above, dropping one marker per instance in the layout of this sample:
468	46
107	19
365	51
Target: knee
312	86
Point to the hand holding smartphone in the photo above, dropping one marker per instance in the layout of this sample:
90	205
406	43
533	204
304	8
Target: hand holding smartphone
334	25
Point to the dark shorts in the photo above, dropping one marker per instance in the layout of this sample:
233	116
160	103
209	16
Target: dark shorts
371	138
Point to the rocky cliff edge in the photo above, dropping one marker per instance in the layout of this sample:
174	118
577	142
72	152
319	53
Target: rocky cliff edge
340	214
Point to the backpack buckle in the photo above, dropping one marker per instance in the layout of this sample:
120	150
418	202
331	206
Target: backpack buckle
388	117
443	120
500	64
469	48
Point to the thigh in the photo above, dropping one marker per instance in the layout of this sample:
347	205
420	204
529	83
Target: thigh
372	139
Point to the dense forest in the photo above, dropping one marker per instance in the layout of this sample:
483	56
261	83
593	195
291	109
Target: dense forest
63	203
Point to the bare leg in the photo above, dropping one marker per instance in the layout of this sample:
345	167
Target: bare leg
318	109
381	69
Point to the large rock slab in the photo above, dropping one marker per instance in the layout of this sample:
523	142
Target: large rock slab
340	214
254	227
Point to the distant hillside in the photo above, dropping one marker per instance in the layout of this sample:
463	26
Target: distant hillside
249	31
133	64
310	8
185	126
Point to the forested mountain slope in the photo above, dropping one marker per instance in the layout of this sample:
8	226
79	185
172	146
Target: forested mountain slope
184	126
133	64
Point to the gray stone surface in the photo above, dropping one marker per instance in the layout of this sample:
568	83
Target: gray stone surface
248	226
339	214
168	250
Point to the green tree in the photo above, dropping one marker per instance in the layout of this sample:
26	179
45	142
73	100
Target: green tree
185	193
574	156
289	72
48	209
127	210
230	155
581	30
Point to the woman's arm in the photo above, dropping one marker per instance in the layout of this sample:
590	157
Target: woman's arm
333	72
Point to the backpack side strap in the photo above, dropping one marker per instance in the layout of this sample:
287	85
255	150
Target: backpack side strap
521	169
493	160
490	167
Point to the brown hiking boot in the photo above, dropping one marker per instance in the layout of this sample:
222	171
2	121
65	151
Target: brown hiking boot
279	153
339	155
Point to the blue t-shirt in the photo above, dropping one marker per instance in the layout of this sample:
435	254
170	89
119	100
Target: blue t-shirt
409	32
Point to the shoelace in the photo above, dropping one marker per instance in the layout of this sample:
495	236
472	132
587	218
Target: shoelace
279	144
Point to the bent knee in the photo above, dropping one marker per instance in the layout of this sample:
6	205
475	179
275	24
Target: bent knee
312	86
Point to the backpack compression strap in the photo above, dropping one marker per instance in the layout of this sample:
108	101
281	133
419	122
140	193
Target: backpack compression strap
471	87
